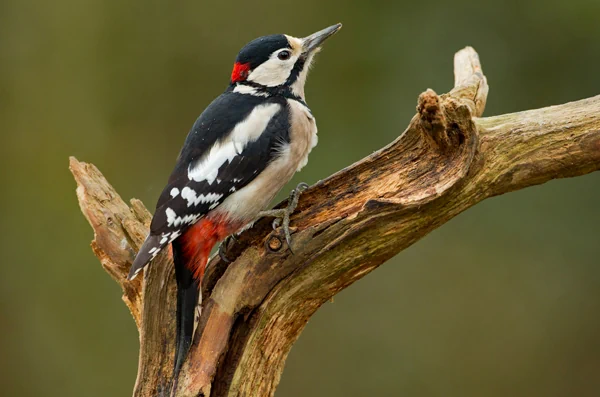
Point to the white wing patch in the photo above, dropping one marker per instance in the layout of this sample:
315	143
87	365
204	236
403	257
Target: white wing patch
174	192
207	168
174	220
174	235
154	251
190	195
164	238
249	130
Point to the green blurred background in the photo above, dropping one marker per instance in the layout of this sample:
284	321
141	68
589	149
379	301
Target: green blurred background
501	301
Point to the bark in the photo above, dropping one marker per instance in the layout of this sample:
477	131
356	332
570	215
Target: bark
447	160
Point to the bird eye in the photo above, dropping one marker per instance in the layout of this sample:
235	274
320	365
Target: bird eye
283	55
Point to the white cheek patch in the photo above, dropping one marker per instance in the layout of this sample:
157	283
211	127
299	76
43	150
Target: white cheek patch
249	130
273	72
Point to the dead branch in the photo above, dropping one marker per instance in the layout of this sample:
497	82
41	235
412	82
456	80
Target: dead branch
447	160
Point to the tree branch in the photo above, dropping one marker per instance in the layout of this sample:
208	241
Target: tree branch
446	161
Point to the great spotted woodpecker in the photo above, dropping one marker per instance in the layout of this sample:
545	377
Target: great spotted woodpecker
240	152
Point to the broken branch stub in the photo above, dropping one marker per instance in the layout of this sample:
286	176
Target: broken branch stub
407	174
447	160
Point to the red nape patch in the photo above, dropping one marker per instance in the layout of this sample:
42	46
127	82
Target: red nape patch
199	240
240	72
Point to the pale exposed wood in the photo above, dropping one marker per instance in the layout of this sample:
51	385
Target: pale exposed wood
446	161
118	233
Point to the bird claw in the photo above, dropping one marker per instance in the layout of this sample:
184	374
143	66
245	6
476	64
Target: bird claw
223	247
282	215
302	186
276	223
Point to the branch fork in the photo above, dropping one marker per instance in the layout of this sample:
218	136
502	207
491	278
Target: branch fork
447	160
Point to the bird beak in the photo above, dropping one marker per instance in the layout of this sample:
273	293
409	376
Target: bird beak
314	41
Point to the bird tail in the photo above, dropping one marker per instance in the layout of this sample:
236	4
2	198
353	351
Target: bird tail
188	291
189	270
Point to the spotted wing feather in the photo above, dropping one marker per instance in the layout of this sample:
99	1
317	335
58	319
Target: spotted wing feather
184	201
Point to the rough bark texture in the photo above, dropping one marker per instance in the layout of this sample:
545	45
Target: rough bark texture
447	160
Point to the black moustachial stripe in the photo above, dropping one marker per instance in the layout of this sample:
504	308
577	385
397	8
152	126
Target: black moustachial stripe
298	66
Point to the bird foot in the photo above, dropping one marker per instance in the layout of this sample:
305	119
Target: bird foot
282	215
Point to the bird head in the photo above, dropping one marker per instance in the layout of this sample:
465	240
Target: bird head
279	60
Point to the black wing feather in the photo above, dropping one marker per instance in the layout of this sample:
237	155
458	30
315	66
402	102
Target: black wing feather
214	124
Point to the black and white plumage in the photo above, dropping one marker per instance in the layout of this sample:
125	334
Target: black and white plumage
217	161
240	152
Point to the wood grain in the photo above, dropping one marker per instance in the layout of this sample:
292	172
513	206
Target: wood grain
447	160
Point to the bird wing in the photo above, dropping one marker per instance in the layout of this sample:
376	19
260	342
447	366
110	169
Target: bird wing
213	165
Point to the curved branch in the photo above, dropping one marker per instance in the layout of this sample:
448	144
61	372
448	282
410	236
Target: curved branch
446	161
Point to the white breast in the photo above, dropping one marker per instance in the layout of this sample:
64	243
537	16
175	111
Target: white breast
303	133
247	202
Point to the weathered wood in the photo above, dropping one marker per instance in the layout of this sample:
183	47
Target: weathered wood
119	231
447	160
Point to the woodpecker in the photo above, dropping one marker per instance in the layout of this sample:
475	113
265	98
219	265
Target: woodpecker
244	147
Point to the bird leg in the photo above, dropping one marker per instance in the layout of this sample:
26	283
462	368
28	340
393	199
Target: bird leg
282	215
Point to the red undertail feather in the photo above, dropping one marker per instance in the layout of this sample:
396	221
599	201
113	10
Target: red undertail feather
199	240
